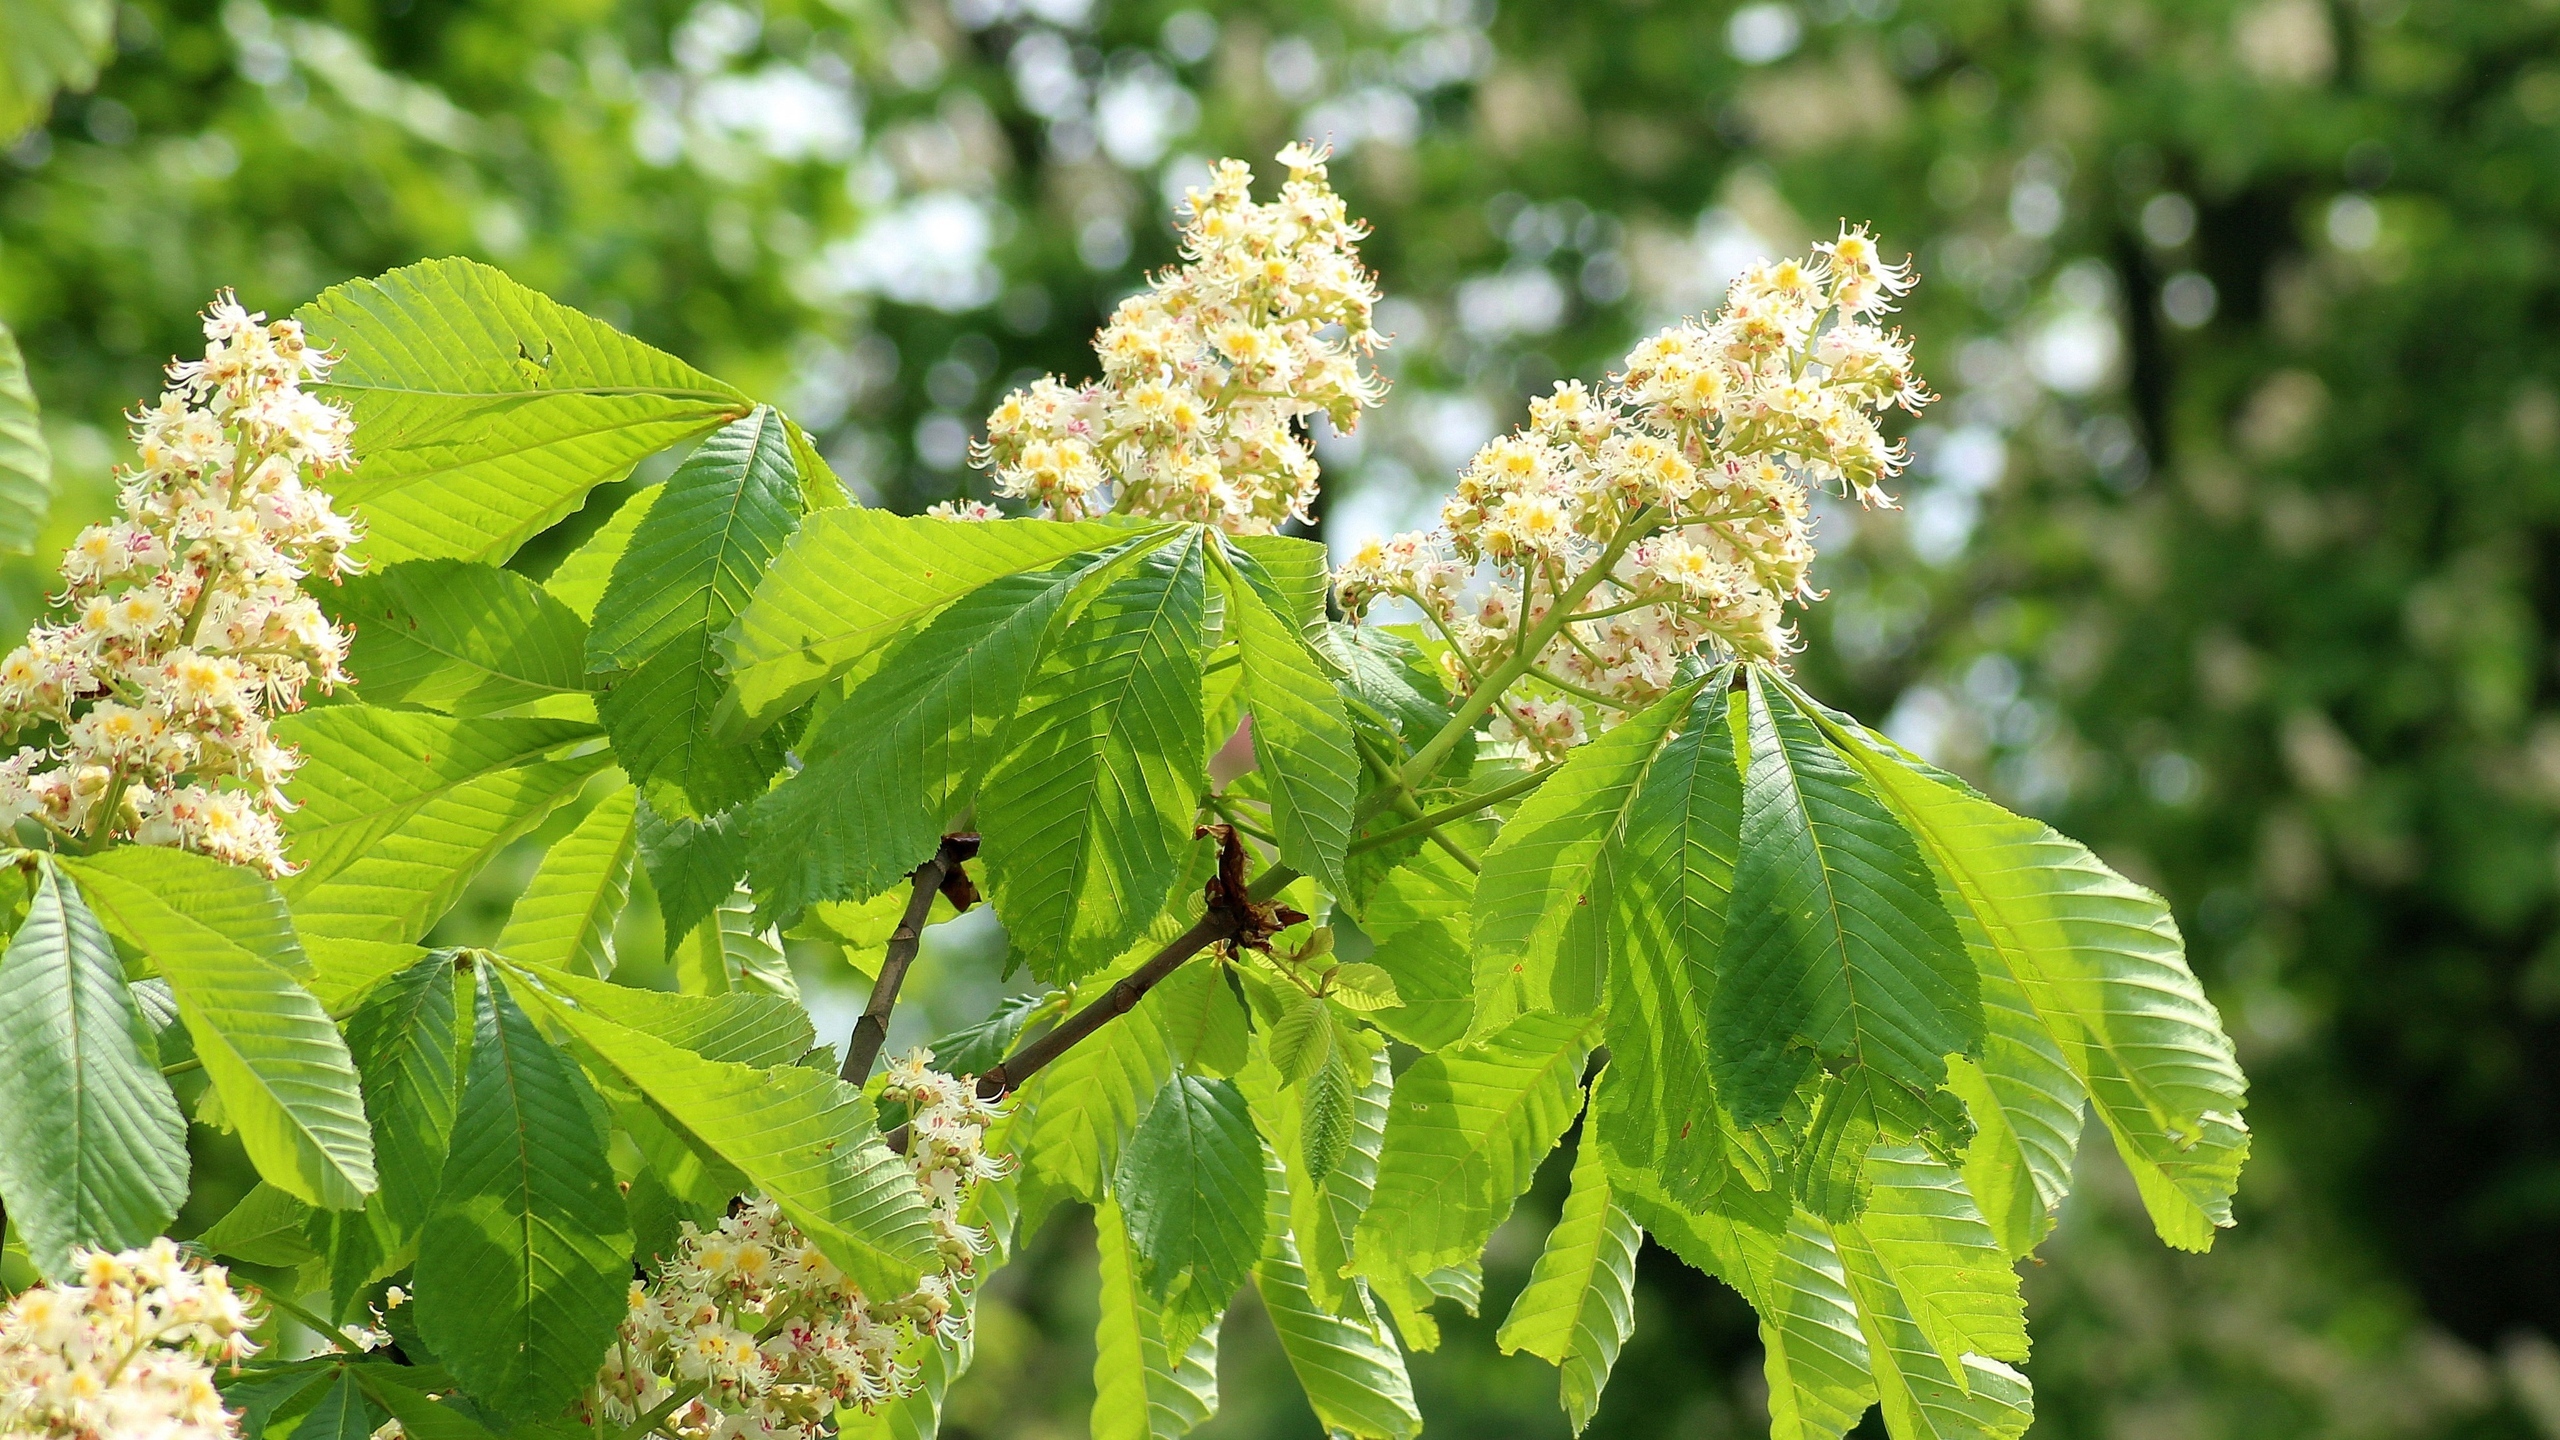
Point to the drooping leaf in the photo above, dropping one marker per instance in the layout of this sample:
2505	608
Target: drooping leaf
1301	738
886	773
1420	917
694	865
798	1135
457	636
1350	1368
1072	1120
1088	815
693	561
1579	1305
853	580
2098	963
26	462
525	1258
1190	1187
1144	1387
1325	1209
265	1228
1658	1111
1839	943
399	810
1543	871
732	952
566	915
1922	1235
93	1151
1812	1352
1466	1131
761	1031
660	717
52	45
282	1070
405	1042
1203	1019
485	412
579	580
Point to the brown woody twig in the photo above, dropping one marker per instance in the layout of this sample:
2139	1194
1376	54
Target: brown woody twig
942	876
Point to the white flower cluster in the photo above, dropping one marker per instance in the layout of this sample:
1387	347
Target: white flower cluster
750	1331
128	1352
1207	374
1666	514
184	622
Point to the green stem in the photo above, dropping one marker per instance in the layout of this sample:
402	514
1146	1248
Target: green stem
1411	804
311	1322
648	1423
1227	812
1434	819
1463	723
192	1062
1546	676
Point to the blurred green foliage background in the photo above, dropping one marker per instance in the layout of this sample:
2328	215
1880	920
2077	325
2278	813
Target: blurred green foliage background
2233	548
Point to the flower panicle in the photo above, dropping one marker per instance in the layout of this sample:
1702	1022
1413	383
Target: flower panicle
1211	374
1689	474
129	1346
773	1338
182	626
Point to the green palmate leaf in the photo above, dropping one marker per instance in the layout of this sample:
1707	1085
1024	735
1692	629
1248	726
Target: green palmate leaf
93	1150
50	45
1465	1134
761	1031
732	952
660	716
801	1136
1075	1116
1203	1019
1926	1394
1839	943
580	578
694	865
565	917
1325	1208
1301	738
265	1228
692	564
2026	1107
1922	1236
888	771
525	1258
1088	815
459	637
342	1414
1419	917
1349	1366
400	810
219	935
1579	1306
689	568
1149	1382
26	463
2095	975
405	1039
1536	947
853	580
1292	574
1658	1112
1190	1187
486	411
